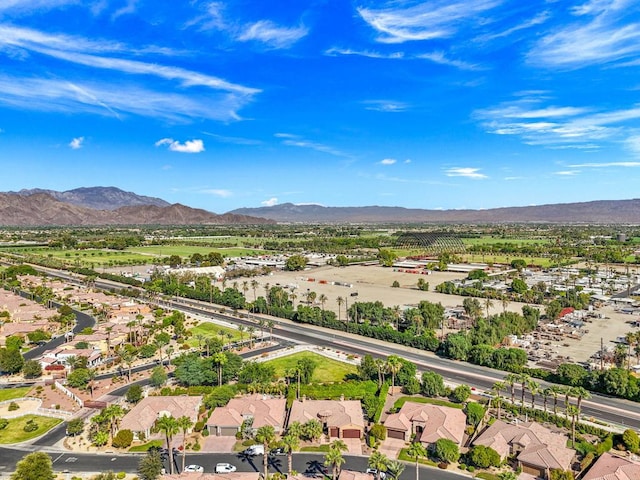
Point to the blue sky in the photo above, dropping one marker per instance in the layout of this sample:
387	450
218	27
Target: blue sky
221	105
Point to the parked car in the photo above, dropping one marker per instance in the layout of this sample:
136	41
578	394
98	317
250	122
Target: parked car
194	468
374	472
277	452
225	468
257	449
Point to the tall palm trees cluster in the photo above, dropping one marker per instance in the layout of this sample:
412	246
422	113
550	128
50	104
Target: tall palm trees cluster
171	426
526	383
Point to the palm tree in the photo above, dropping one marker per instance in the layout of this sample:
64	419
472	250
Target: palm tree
270	324
556	391
381	367
266	435
546	393
251	331
294	372
169	426
395	468
394	364
379	462
572	411
220	359
418	451
505	303
322	299
488	304
534	389
245	288
184	423
112	414
497	388
242	329
581	394
254	285
313	429
334	457
339	301
295	429
524	380
290	442
511	380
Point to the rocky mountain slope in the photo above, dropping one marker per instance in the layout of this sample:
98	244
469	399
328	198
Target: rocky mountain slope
42	209
99	198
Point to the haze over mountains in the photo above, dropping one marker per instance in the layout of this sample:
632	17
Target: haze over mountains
112	206
601	212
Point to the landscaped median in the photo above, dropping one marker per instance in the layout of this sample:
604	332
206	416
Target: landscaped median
25	428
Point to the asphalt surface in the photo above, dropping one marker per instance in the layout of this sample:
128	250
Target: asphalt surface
302	462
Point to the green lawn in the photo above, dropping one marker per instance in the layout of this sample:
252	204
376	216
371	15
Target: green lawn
11	393
147	446
188	250
209	330
352	390
404	456
327	370
433	401
14	432
316	448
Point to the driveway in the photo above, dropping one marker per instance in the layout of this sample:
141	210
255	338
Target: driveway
213	444
391	447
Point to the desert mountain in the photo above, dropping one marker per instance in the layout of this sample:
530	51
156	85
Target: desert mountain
42	209
100	198
596	212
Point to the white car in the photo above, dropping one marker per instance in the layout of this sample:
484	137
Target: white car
194	469
374	472
225	468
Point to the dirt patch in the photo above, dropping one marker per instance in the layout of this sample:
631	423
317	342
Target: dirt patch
26	406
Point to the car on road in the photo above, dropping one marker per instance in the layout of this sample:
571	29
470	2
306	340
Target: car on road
277	452
374	472
254	450
194	469
225	468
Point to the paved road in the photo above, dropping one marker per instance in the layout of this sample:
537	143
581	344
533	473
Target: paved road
613	410
302	462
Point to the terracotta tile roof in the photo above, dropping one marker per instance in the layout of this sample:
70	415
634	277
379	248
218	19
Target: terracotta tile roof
538	445
264	410
437	421
613	467
338	413
142	417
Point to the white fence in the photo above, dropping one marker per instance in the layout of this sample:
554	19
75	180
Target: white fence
69	393
45	412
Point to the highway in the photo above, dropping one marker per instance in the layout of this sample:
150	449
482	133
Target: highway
609	409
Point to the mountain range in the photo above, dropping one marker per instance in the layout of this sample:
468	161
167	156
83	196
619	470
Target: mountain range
112	206
117	207
596	212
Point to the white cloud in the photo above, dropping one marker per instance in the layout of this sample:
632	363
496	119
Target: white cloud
387	161
270	202
76	143
297	141
223	97
408	160
127	9
441	59
190	146
29	6
605	32
333	52
53	95
272	35
217	192
467	172
606	165
424	21
567	173
386	106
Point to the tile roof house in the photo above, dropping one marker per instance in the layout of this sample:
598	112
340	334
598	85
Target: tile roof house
144	415
613	467
340	418
428	422
537	449
263	410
